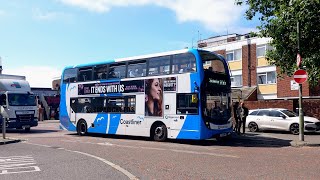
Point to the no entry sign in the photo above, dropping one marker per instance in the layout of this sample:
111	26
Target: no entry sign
300	76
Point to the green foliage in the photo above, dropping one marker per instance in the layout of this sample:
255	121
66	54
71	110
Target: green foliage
279	21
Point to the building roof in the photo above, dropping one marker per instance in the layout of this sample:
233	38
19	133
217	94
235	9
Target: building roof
244	93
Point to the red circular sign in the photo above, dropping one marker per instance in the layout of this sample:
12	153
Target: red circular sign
300	76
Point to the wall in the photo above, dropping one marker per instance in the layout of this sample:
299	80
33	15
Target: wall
249	65
315	91
267	88
284	87
262	61
311	107
288	104
221	52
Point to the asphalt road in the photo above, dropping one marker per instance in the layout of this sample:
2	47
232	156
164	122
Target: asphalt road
64	155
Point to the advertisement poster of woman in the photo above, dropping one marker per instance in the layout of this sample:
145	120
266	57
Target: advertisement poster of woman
153	97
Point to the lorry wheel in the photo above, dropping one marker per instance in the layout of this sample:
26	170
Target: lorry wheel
27	129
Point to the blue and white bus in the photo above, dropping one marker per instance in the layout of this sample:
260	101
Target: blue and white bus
181	94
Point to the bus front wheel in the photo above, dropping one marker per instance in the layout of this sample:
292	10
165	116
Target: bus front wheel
159	132
82	127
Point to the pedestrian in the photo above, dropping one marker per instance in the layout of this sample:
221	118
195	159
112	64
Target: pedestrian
242	113
236	117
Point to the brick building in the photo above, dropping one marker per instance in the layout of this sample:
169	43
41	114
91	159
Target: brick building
255	80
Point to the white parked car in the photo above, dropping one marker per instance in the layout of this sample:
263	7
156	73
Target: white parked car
279	119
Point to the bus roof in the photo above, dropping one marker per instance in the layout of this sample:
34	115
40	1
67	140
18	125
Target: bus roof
153	55
136	57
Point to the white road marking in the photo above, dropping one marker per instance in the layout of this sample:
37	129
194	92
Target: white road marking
204	153
17	164
105	144
160	149
117	167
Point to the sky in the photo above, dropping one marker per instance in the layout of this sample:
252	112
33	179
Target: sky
38	38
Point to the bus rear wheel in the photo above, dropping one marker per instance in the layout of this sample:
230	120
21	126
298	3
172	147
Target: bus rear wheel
82	127
159	132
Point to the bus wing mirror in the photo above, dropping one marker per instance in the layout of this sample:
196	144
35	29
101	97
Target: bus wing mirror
3	99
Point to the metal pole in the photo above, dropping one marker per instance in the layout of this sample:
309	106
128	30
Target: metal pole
301	120
4	128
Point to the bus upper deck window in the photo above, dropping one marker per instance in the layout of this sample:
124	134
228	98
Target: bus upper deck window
70	75
183	63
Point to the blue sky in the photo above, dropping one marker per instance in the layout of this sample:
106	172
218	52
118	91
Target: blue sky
38	38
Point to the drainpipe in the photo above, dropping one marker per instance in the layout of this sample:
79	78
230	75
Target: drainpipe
249	62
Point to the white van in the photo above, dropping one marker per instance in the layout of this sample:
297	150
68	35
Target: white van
18	103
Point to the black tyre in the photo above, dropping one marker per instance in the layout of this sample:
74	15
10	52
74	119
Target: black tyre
294	128
27	129
82	128
253	127
159	132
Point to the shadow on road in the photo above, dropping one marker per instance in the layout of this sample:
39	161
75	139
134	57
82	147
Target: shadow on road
248	140
289	133
32	131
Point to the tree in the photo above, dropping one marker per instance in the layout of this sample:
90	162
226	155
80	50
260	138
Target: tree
278	20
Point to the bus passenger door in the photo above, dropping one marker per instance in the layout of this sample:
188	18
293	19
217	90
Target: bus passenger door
170	115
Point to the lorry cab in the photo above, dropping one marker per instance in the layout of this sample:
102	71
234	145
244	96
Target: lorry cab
18	103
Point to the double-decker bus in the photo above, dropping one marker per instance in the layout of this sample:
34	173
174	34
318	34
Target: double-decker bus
181	94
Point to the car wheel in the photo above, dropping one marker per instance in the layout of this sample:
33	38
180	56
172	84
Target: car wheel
253	127
159	132
82	128
294	128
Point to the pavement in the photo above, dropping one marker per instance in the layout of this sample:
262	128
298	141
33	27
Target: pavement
263	138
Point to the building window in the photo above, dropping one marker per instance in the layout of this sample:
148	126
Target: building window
236	81
267	78
261	51
207	63
234	55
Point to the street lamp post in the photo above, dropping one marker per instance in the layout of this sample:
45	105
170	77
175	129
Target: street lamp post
301	119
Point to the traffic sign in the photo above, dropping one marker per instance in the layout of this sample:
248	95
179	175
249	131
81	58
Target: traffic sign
299	60
300	76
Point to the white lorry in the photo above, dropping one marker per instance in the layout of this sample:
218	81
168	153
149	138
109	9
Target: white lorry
18	103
